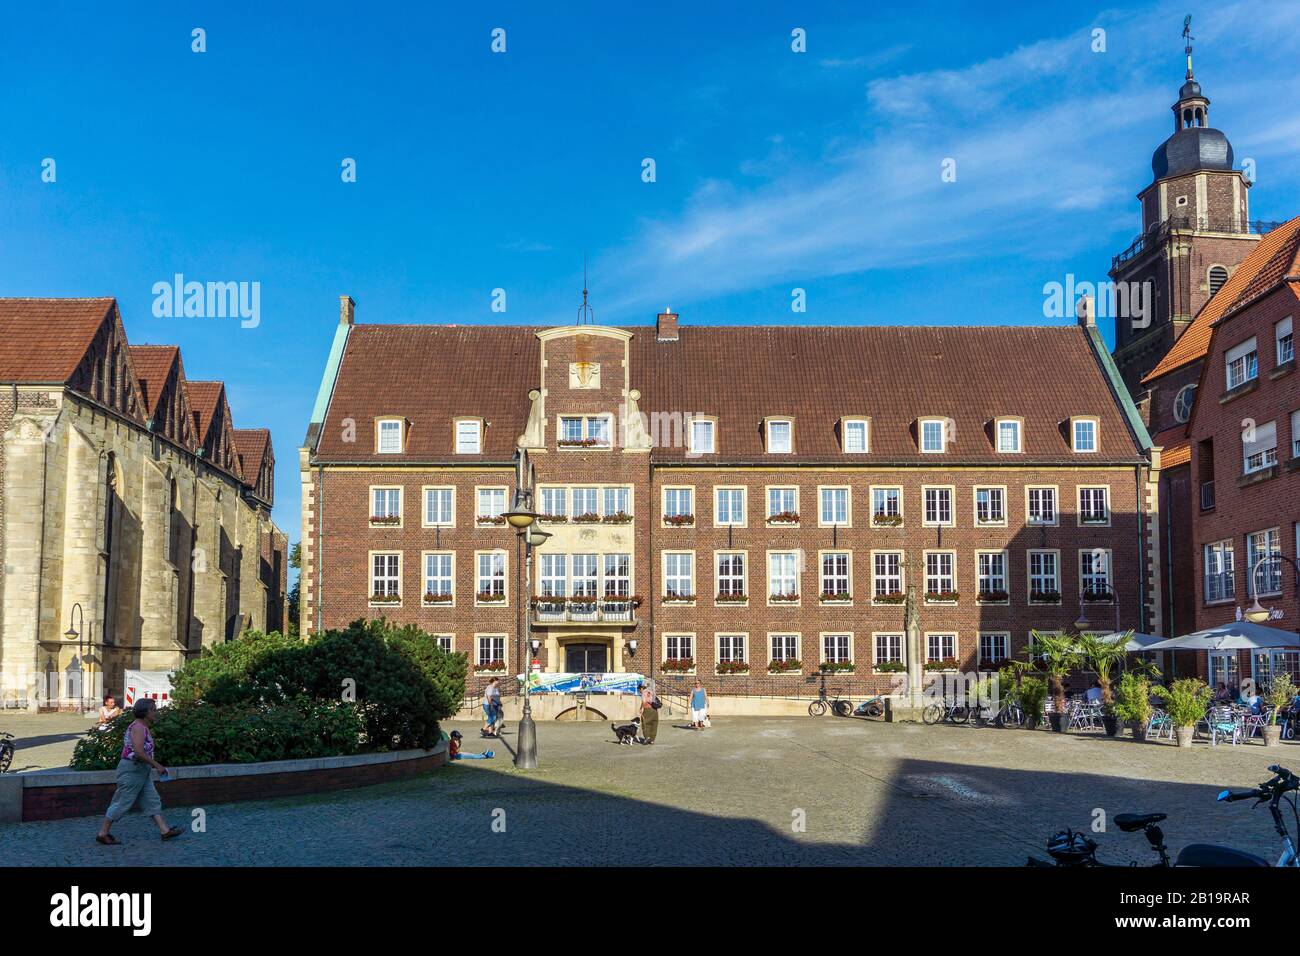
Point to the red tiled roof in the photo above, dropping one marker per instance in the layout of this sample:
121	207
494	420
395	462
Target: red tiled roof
1275	256
250	446
433	373
152	364
204	402
1177	446
44	340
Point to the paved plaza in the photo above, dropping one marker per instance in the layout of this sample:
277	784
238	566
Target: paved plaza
749	791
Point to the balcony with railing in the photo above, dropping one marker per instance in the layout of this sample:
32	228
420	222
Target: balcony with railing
560	611
1159	232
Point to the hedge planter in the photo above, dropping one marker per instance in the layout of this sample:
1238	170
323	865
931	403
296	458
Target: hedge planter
1139	731
1185	735
1272	734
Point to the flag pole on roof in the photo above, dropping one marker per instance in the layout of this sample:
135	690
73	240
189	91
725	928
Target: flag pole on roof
586	315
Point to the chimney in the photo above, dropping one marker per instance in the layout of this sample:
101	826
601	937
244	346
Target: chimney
666	326
1083	310
347	310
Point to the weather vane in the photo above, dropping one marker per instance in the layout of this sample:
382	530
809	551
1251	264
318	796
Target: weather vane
586	315
1187	47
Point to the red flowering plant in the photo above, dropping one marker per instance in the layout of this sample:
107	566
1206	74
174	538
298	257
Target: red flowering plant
491	519
619	517
385	521
490	597
490	667
947	664
730	597
889	597
675	596
733	667
679	521
832	596
385	599
787	597
587	517
678	665
784	517
784	667
431	598
578	442
993	597
942	597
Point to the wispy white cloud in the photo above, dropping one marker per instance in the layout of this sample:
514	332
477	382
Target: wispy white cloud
1048	129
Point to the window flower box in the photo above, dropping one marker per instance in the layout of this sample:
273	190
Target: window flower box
889	667
885	520
941	597
385	599
835	597
1098	595
490	519
678	665
947	664
491	667
577	442
553	519
589	517
679	521
993	597
385	521
1045	597
1095	520
996	665
490	597
789	598
621	517
430	598
784	667
733	667
784	517
836	667
672	597
550	603
893	597
615	600
729	598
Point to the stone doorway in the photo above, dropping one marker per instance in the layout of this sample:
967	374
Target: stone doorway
585	658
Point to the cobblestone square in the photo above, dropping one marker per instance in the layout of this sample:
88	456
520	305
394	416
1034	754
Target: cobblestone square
749	791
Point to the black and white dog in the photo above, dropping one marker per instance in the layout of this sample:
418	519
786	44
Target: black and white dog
628	733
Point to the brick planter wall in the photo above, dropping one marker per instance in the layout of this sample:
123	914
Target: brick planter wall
54	795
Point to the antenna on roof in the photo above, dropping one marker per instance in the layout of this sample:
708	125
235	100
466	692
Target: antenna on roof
1187	46
586	315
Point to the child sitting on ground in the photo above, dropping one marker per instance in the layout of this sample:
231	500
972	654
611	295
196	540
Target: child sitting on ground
454	753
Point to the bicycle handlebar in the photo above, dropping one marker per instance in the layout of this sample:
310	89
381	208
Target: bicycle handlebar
1283	780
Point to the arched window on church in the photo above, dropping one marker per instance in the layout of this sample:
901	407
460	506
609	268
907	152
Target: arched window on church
1217	276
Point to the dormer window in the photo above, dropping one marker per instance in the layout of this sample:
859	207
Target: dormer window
856	436
469	436
1083	432
703	436
389	435
933	434
583	431
780	436
1007	431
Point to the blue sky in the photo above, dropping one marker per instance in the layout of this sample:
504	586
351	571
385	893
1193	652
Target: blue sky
476	171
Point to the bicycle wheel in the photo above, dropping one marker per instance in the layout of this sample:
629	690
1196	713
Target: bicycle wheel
977	717
875	710
932	714
817	708
959	714
842	708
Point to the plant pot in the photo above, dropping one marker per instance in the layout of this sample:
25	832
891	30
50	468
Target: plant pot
1060	723
1111	723
1139	730
1033	721
1272	734
1185	735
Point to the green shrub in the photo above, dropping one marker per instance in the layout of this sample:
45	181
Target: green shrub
1185	701
221	667
1133	699
1281	692
1033	696
201	733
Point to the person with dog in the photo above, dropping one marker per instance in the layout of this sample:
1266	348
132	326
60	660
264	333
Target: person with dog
649	715
699	706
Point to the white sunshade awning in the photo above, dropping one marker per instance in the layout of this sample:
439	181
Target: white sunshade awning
1137	641
1233	636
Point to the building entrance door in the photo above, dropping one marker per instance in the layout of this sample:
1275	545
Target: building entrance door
586	658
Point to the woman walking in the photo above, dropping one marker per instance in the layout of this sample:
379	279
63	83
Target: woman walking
649	715
699	706
491	708
134	779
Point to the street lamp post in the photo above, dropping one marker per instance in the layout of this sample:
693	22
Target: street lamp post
521	517
1257	613
76	625
1082	624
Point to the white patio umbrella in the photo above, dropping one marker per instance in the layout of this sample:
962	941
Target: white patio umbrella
1137	641
1233	636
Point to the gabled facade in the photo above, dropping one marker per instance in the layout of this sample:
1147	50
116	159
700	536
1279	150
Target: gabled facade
738	504
117	521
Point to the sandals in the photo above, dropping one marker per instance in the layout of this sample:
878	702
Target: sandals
172	833
107	839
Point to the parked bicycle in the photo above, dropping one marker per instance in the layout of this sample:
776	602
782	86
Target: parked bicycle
6	751
939	711
837	705
1069	848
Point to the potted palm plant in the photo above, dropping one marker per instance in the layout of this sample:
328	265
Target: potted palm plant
1133	703
1032	695
1059	653
1104	656
1185	702
1281	692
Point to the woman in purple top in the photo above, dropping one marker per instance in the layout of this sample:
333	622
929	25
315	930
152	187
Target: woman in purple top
134	779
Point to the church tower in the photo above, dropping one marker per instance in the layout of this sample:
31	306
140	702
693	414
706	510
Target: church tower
1196	229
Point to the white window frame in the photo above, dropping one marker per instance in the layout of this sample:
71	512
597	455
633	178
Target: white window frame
1056	575
1253	555
843	639
1221	557
1080	492
387	491
1095	438
1055	495
676	595
425	578
791	646
930	658
389	576
770	441
492	577
665	513
1259	455
999	522
854	423
696	447
685	640
1247	353
781	490
935	573
734	639
458	437
479	491
380	433
731	492
494	641
892	638
984	578
730	577
937	522
921	437
821	506
425	491
898	489
783	557
1090	577
1004	639
585	431
1019	429
889	575
835	576
1284	340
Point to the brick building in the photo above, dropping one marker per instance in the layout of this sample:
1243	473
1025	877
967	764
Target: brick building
743	504
132	509
1244	438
